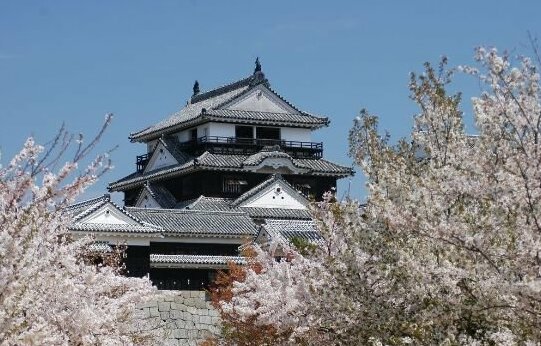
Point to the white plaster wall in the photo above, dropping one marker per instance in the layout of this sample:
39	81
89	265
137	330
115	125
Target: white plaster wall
146	201
271	198
296	134
261	100
107	214
161	158
221	129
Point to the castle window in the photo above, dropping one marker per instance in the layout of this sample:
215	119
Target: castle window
244	132
233	185
268	133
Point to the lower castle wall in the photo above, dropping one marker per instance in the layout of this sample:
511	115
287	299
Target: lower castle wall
185	317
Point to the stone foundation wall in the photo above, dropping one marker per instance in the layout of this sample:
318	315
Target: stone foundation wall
186	317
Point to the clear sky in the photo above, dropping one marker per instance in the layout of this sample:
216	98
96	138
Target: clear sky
74	61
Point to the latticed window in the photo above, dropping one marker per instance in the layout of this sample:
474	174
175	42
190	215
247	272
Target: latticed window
233	185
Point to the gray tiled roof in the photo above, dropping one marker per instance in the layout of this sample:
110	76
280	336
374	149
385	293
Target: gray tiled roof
210	203
188	113
322	166
277	213
76	209
140	178
196	222
100	246
195	259
257	158
208	106
116	228
265	117
289	229
224	204
224	162
210	160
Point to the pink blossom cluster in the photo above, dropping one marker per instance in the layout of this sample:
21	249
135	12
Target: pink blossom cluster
446	249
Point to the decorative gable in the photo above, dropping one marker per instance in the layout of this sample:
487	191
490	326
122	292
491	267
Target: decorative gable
277	195
260	99
108	214
161	157
146	200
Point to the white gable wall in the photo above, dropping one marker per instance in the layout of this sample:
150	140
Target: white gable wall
161	158
278	195
147	201
261	100
108	214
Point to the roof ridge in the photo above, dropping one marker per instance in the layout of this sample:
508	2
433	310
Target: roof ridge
221	89
90	201
185	211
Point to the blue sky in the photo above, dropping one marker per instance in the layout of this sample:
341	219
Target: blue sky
74	61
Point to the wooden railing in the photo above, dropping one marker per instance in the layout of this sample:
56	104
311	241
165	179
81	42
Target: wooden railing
142	161
235	145
259	142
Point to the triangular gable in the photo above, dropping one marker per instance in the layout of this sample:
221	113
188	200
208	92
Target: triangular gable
260	99
146	200
110	214
278	194
161	157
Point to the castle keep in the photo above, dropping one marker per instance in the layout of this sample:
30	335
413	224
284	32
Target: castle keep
236	164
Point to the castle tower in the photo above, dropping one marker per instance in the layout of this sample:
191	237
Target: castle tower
236	164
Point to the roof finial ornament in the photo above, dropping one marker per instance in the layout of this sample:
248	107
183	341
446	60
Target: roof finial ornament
257	66
195	88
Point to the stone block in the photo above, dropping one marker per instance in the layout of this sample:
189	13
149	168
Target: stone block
180	324
179	298
164	315
171	342
164	306
205	319
201	304
176	314
145	313
154	312
180	333
146	304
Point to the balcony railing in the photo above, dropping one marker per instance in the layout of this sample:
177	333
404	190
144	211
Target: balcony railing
251	145
142	161
247	146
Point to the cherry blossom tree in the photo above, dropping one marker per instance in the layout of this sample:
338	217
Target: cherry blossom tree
446	249
49	295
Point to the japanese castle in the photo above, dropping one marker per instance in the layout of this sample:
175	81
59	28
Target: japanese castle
235	165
